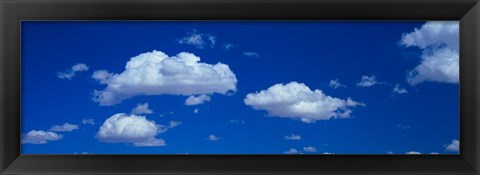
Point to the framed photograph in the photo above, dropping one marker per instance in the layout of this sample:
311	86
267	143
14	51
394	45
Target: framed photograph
239	87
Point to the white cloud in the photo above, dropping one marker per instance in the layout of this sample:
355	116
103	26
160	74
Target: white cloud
328	153
293	137
141	109
237	121
433	153
196	111
155	73
198	40
336	84
310	149
399	90
137	130
403	126
292	151
196	100
228	46
413	152
212	137
296	100
368	81
251	54
70	73
439	41
454	146
66	127
88	121
40	137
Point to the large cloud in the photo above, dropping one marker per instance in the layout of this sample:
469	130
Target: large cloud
40	137
439	41
296	100
155	73
137	130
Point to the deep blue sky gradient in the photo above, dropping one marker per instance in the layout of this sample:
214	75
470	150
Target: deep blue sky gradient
308	52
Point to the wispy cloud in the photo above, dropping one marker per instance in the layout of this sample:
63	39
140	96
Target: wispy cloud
196	100
251	54
367	81
66	127
336	84
212	137
291	151
88	121
70	73
199	40
141	109
228	46
293	137
398	90
310	149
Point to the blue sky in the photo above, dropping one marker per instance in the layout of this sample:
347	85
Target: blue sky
240	87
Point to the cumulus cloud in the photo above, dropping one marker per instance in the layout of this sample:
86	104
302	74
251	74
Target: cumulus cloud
296	100
141	109
88	121
439	41
40	137
133	129
196	100
291	151
310	149
413	152
398	90
212	137
336	84
198	40
70	73
66	127
454	146
155	73
251	54
293	137
368	81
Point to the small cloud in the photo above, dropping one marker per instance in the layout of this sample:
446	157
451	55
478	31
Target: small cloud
413	152
328	153
88	121
368	81
335	84
399	90
251	54
198	40
228	46
237	121
293	137
196	111
433	153
400	126
310	149
141	109
40	137
70	73
66	127
454	146
212	138
291	151
196	100
390	152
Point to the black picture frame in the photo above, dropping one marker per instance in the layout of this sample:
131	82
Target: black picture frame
14	11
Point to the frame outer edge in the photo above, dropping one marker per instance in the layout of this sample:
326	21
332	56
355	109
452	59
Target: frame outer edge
2	123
